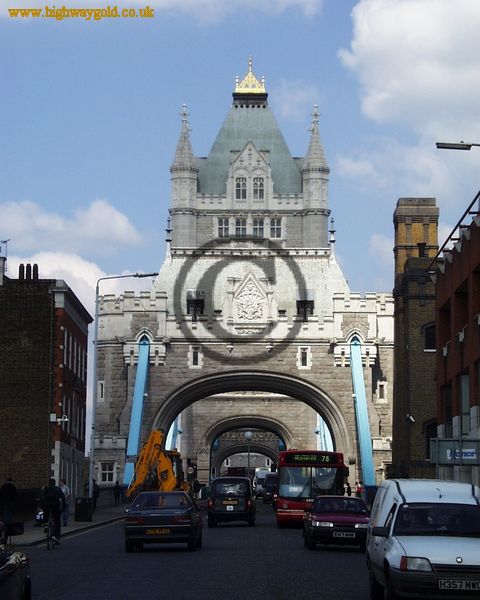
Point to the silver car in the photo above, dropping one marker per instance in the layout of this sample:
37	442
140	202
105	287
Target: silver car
424	540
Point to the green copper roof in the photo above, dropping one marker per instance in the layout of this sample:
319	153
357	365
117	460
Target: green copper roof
244	124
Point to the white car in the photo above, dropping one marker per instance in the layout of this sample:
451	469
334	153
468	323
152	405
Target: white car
424	540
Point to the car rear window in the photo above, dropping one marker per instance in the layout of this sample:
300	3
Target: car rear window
271	483
161	501
230	488
340	505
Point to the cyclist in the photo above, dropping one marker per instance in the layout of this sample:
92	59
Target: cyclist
52	501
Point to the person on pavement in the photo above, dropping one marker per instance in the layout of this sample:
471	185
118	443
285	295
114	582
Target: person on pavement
117	492
52	501
66	492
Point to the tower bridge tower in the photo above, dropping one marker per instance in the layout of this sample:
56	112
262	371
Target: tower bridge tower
250	322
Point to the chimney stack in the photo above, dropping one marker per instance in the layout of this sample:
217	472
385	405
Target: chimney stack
3	260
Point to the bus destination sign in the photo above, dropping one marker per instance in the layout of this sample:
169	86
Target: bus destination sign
307	458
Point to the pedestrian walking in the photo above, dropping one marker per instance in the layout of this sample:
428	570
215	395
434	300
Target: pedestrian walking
67	493
348	489
358	489
8	494
117	493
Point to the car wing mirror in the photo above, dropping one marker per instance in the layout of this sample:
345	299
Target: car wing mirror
380	531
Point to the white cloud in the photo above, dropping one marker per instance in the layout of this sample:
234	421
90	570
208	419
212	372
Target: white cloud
293	100
380	250
79	274
99	228
385	163
206	11
381	247
418	61
360	167
444	231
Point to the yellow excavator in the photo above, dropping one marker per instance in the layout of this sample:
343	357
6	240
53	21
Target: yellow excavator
157	469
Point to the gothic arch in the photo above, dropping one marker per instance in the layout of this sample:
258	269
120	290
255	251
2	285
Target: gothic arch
264	381
238	448
354	333
252	421
144	332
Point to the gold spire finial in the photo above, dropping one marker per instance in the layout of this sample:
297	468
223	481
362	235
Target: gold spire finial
250	84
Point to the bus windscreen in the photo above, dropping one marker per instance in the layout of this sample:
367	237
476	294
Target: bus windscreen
306	482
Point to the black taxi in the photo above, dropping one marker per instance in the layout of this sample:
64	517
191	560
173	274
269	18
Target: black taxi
231	499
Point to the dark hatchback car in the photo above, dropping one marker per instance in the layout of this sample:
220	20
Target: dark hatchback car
270	487
231	499
163	517
336	520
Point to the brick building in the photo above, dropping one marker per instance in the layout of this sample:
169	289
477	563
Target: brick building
43	378
458	352
414	407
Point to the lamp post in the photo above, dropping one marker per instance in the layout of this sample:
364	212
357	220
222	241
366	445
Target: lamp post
455	145
95	374
248	435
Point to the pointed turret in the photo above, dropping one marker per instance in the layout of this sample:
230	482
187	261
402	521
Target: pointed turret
315	158
184	159
184	172
315	187
315	169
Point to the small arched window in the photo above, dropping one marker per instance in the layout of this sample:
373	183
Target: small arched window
258	228
240	227
241	188
258	188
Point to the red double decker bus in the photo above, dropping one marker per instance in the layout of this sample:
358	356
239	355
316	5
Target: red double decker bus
302	476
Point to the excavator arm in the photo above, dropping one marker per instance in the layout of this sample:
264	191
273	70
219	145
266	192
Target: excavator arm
145	467
157	469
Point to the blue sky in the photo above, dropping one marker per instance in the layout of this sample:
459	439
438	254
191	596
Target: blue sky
89	120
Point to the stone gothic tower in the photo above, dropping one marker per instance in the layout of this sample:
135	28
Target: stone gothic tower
250	322
250	173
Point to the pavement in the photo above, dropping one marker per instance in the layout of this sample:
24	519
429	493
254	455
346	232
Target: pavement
33	534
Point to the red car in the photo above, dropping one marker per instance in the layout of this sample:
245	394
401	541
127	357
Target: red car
336	520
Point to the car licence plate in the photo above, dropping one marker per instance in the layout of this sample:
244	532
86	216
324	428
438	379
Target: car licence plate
158	531
459	584
343	534
229	507
230	502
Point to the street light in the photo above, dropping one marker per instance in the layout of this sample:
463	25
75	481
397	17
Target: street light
95	374
459	226
455	145
248	435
